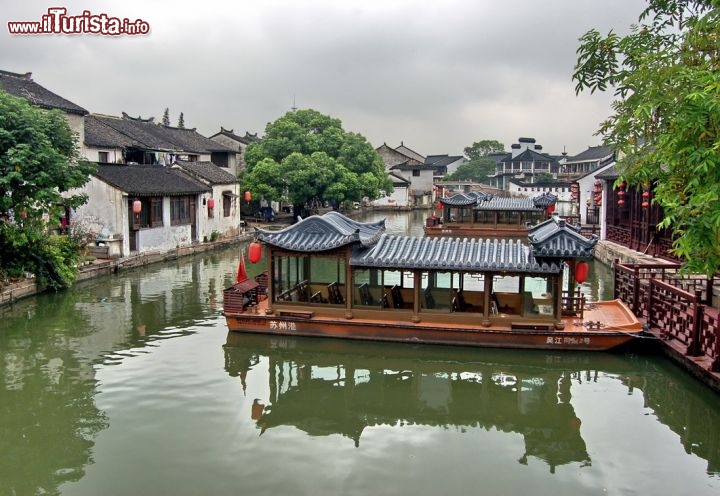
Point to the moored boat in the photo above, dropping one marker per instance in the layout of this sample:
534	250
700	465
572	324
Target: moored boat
482	214
332	276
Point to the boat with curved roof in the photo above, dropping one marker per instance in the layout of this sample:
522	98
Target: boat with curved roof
333	276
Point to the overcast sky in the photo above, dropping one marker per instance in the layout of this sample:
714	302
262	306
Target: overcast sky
434	75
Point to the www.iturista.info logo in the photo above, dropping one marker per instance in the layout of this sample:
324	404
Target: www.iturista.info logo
56	21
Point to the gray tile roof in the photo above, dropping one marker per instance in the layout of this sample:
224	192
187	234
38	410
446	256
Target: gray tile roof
208	172
150	180
123	132
246	140
442	253
23	86
441	160
556	239
410	165
545	200
465	199
592	153
322	232
529	156
508	204
611	173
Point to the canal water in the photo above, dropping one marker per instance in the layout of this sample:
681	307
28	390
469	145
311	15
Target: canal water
132	385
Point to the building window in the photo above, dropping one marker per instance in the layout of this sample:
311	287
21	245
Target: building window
156	212
416	172
150	213
103	157
179	210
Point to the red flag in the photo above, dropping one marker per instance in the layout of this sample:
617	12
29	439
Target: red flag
242	273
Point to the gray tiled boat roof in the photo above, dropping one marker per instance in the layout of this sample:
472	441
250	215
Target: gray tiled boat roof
545	200
322	232
505	203
442	253
464	199
556	239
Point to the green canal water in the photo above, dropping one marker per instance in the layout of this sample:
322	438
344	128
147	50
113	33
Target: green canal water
132	385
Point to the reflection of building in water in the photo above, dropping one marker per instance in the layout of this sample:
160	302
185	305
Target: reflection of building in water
322	391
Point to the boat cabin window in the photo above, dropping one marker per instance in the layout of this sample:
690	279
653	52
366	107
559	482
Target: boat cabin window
305	279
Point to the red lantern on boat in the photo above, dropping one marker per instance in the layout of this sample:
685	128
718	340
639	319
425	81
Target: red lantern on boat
581	271
255	252
137	207
550	209
211	203
248	196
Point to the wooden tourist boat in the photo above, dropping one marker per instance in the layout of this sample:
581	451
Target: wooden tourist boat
332	276
481	214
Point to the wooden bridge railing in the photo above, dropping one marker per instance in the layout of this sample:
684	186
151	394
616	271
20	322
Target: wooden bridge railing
675	304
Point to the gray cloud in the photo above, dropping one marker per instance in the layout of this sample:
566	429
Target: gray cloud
437	77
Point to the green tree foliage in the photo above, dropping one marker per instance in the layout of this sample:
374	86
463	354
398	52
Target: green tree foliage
181	121
666	115
479	166
39	161
307	156
166	117
483	148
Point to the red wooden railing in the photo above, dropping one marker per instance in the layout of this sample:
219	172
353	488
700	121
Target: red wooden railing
677	305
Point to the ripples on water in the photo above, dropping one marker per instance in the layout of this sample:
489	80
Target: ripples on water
131	384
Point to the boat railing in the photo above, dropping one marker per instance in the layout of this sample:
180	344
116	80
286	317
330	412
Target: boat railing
573	305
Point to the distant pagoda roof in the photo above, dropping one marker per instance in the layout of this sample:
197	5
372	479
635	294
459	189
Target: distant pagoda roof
322	232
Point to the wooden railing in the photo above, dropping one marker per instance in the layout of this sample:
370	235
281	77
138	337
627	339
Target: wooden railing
677	305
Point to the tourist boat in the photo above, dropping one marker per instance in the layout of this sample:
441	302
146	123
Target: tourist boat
333	276
482	214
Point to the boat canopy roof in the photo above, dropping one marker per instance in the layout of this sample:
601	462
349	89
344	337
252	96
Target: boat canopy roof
322	232
465	199
556	239
441	253
508	204
549	244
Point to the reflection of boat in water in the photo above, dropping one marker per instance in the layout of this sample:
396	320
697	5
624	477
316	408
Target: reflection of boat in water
326	387
334	277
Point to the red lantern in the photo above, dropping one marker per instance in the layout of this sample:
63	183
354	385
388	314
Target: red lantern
581	271
137	207
645	204
550	209
440	205
248	196
646	194
255	252
621	193
621	202
211	203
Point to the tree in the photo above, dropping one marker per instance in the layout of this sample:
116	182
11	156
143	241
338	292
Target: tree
181	121
166	117
39	163
307	156
666	115
483	148
479	166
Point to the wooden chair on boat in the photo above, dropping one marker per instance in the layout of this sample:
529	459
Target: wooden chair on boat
334	294
461	303
429	300
317	298
365	296
396	297
384	303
